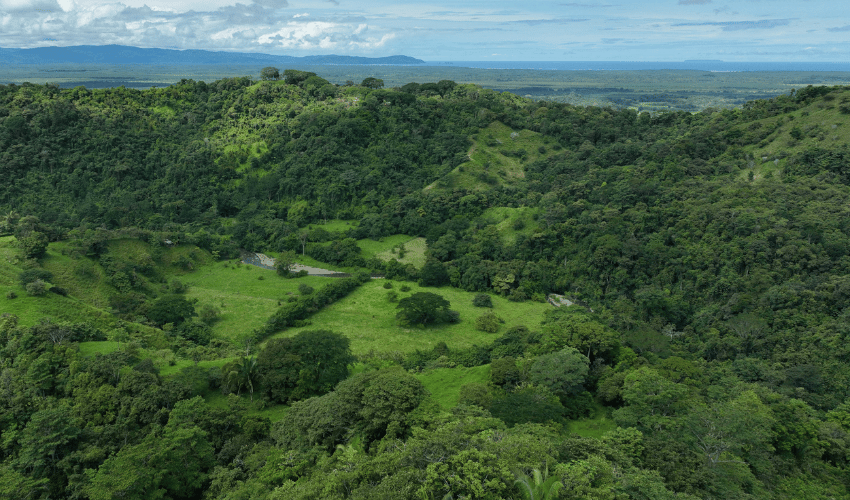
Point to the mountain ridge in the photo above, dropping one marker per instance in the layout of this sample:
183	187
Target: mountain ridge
125	54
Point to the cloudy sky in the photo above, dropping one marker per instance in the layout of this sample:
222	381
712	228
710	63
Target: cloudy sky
440	30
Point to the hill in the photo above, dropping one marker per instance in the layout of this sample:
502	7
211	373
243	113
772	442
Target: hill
706	355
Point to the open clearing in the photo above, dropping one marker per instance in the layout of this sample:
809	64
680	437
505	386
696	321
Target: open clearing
245	300
444	383
367	318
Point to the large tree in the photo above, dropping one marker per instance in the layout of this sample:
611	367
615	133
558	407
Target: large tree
171	309
423	308
270	73
309	364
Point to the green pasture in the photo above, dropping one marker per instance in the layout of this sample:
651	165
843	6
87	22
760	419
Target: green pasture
512	221
414	251
368	319
370	248
820	124
29	309
497	158
82	277
444	383
245	300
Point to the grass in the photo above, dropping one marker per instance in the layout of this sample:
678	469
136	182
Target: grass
414	252
102	347
444	383
245	301
370	248
493	160
367	318
595	426
185	363
334	225
506	220
31	309
821	124
82	277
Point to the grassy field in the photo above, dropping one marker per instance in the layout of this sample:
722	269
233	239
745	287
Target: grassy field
513	221
31	309
444	383
334	225
367	318
496	158
818	125
245	300
414	251
370	248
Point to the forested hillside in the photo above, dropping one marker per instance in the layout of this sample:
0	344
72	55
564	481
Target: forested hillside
707	355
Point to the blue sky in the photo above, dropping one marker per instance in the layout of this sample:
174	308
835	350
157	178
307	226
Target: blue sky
497	30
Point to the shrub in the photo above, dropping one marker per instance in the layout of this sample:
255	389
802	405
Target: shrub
388	285
11	295
177	286
392	296
488	322
518	296
58	291
36	288
305	289
404	288
31	275
482	300
209	314
504	371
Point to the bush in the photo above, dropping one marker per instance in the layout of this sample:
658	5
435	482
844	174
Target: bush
488	322
404	288
31	275
392	296
11	295
209	314
482	300
36	288
58	291
177	286
518	296
388	285
305	289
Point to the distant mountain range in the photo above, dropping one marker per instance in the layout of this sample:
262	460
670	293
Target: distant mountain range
122	54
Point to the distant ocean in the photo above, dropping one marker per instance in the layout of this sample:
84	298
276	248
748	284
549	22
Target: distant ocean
701	65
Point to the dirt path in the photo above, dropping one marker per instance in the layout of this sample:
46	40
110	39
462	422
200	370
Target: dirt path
264	261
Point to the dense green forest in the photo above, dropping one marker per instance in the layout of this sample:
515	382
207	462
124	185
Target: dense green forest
706	353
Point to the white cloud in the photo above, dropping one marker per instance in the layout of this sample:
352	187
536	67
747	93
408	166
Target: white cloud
43	6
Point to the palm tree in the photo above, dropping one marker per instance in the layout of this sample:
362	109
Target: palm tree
538	486
241	374
9	221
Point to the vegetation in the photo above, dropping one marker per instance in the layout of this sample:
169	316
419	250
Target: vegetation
695	348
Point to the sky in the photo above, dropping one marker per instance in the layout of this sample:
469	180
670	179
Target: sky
438	30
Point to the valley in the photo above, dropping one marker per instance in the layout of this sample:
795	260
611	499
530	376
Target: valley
704	254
